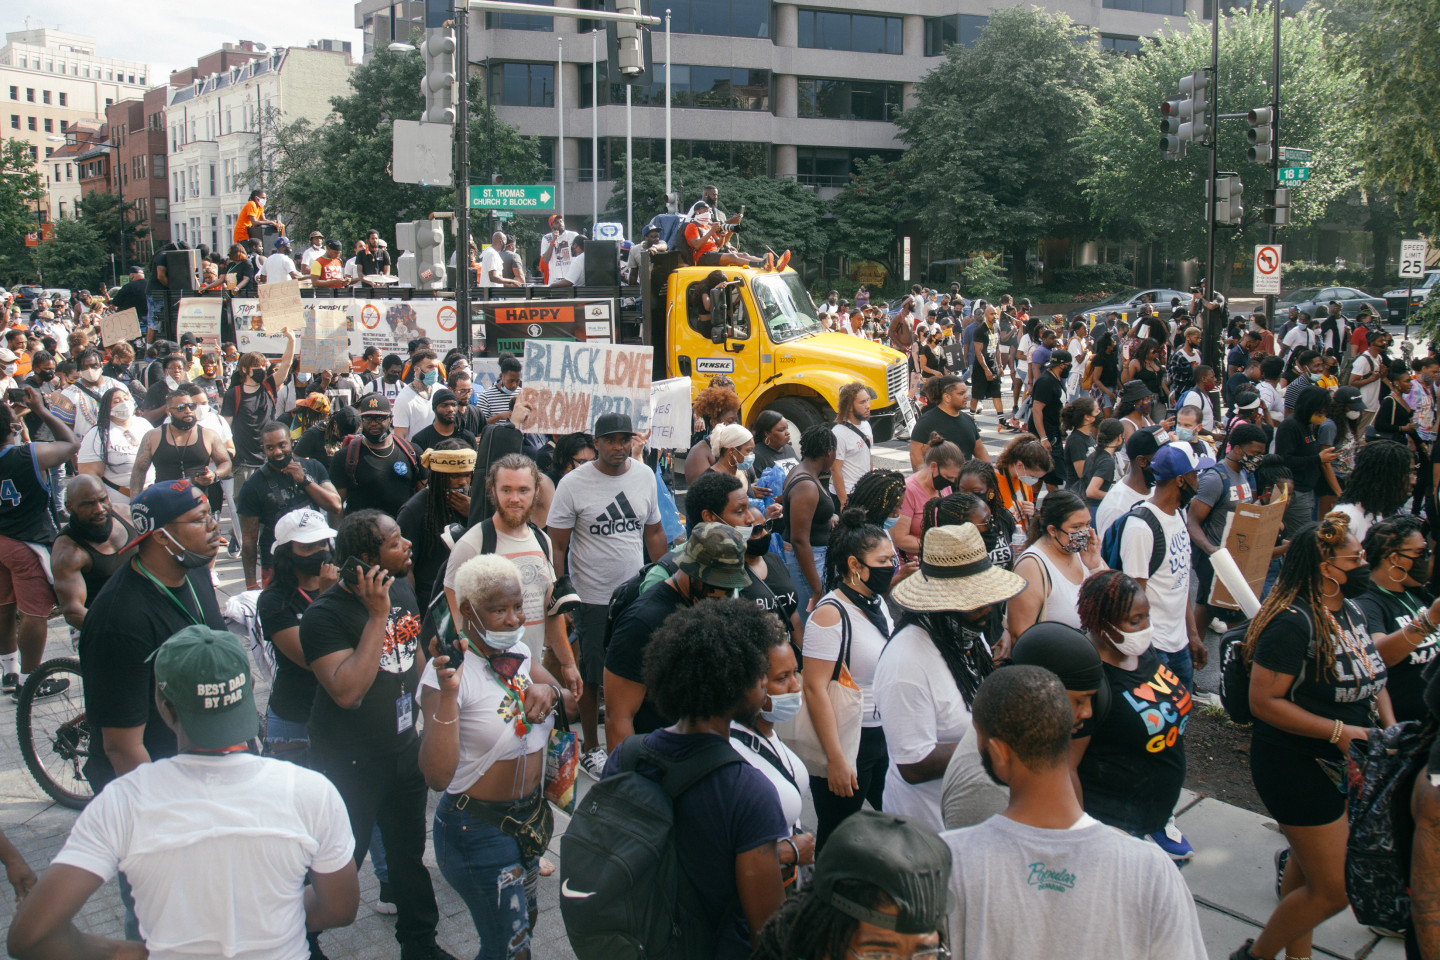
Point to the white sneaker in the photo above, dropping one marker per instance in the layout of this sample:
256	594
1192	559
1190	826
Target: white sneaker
1218	625
593	763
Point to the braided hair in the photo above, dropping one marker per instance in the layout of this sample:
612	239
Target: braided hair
809	926
949	511
103	422
1389	535
879	494
438	512
1000	518
1105	599
1301	582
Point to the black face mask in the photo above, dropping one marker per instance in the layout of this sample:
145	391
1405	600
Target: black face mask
878	580
392	377
91	532
258	375
991	538
1149	476
1186	495
757	546
1357	581
375	434
183	423
280	463
310	566
44	376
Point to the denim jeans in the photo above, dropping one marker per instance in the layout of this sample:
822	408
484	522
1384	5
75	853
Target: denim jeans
797	577
1181	665
157	311
484	866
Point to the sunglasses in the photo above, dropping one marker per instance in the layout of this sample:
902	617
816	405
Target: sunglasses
181	407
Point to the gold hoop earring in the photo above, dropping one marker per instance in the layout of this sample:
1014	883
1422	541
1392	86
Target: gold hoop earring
1330	596
1394	570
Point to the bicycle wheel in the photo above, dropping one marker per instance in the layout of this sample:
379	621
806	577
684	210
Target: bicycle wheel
54	734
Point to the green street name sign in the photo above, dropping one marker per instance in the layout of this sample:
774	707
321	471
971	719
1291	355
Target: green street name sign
534	198
1296	154
1293	174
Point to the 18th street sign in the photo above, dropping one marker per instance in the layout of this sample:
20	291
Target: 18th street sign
1286	174
535	198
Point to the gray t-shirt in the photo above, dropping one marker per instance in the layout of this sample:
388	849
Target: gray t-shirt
607	517
1063	881
1211	491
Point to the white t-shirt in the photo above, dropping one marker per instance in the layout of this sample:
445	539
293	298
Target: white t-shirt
572	269
1360	521
561	257
1299	336
1364	366
607	517
920	708
124	443
490	260
309	256
278	268
1169	588
536	573
852	452
1194	398
413	411
793	785
487	719
866	643
216	849
1115	504
1273	399
351	271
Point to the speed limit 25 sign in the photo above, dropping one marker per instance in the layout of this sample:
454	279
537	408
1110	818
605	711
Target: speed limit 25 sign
1413	254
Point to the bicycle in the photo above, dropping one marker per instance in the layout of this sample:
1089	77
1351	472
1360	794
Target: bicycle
55	736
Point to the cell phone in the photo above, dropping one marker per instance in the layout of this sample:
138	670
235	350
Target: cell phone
351	571
15	395
455	650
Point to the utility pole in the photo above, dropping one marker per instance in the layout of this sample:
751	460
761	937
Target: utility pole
461	18
1274	147
1210	349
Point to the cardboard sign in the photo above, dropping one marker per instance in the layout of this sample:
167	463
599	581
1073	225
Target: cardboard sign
1251	532
280	307
671	421
325	344
387	324
568	385
200	316
115	327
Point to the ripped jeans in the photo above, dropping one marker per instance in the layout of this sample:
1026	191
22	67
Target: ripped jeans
483	865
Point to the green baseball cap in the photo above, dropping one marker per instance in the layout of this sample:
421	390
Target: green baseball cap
715	555
205	673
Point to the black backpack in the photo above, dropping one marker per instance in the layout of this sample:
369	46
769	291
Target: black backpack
629	591
1235	675
623	894
437	621
1377	856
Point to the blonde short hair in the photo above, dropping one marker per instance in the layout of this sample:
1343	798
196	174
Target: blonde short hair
481	576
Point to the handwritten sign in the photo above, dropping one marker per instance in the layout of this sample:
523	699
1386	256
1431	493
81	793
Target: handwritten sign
325	343
670	416
280	306
569	384
124	325
1250	534
200	316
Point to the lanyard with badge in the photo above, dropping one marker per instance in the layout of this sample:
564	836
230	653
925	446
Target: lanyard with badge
195	618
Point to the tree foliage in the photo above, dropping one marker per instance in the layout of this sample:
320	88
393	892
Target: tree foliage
74	257
992	134
336	178
871	210
102	210
779	214
21	188
1136	195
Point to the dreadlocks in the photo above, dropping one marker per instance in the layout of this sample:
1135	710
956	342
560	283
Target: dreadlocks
1105	599
439	514
1301	582
968	661
808	926
948	511
878	493
1377	483
1000	518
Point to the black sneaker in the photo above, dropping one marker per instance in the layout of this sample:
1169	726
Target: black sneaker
9	682
427	951
1244	952
50	687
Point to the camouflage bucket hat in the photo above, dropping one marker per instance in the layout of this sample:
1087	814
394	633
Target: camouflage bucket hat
715	555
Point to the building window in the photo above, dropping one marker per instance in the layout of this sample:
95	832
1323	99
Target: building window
214	233
64	100
715	88
522	84
30	122
961	28
856	32
109	102
48	151
14	93
717	18
746	159
30	94
849	99
829	167
49	125
1170	8
157	165
181	227
162	209
14	121
44	96
1118	44
57	172
212	179
520	21
69	171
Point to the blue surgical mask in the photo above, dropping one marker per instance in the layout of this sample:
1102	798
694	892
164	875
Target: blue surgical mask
499	639
505	390
429	377
1184	433
1316	377
783	707
747	463
889	523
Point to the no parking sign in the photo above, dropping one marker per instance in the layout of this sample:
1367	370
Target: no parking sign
1267	268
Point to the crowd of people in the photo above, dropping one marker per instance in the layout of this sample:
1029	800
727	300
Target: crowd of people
994	655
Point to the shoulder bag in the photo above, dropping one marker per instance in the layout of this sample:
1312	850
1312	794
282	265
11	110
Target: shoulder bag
846	704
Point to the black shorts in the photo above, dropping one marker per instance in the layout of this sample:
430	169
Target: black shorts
1293	787
711	259
981	387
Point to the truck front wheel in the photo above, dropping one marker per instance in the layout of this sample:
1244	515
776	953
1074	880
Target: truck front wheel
800	412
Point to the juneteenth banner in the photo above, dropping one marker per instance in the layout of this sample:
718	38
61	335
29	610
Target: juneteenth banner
570	384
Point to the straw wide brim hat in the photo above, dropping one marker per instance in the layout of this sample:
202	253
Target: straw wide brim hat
955	574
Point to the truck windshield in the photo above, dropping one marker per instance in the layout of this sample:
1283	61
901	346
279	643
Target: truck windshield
785	306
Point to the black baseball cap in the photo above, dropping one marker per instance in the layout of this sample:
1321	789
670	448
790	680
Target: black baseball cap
611	423
1142	443
374	403
902	857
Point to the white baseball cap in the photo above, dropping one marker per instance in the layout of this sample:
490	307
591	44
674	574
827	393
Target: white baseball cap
302	526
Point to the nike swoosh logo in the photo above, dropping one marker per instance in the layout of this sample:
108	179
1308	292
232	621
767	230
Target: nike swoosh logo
566	891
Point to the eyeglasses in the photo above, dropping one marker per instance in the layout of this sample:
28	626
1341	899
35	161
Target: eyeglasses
184	406
209	520
930	953
1348	556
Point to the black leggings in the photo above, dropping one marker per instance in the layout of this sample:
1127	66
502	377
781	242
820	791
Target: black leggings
831	810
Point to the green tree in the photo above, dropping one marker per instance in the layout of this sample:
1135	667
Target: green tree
779	214
22	190
870	212
74	257
983	277
335	177
103	210
1136	194
991	134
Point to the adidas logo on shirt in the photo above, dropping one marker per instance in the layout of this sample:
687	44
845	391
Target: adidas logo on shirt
617	518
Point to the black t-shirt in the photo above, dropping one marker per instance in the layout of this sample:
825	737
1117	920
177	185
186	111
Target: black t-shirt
429	438
242	271
1102	466
24	497
765	458
213	387
156	396
312	444
293	692
1393	416
959	429
1077	447
625	657
1296	442
253	411
1048	390
1346	695
934	358
780	588
1385	613
132	297
369	263
984	341
334	622
1134	766
382	481
270	494
156	287
127	622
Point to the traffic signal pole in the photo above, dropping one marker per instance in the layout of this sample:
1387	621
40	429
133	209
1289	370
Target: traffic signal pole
1274	145
462	183
1210	340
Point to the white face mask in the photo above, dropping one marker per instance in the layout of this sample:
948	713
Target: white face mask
745	531
90	374
1353	414
122	411
1029	480
1136	642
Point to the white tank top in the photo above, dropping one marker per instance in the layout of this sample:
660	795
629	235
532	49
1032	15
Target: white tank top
1061	603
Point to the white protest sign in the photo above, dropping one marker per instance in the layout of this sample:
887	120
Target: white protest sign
115	327
569	384
670	416
325	343
392	324
200	316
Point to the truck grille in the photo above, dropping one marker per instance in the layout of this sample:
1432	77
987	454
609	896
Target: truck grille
895	380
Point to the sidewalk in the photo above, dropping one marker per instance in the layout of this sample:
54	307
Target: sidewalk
1232	876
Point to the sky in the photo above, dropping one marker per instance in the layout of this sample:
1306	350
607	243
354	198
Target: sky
171	34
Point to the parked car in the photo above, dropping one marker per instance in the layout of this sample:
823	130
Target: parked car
62	292
1127	303
1316	300
26	294
1395	307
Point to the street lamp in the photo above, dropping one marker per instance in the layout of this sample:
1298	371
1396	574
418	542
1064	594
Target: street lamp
398	47
119	187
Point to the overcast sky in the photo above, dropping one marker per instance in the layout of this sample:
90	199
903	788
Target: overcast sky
170	34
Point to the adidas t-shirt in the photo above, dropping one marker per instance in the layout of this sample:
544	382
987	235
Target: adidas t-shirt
607	517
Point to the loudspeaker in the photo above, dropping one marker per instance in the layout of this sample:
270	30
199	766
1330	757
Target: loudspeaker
182	270
602	263
266	234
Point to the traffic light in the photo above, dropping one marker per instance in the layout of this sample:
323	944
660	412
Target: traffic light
1170	142
1195	112
422	264
437	51
1225	206
1261	135
1277	206
629	55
